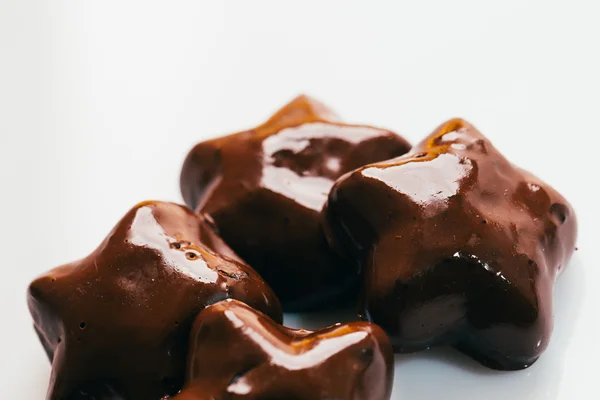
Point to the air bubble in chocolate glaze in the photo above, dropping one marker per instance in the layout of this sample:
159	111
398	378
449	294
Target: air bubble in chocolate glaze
366	355
559	212
240	374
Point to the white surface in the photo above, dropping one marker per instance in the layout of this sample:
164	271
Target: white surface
100	101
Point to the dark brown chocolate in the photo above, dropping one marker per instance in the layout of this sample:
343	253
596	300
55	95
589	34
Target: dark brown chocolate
239	353
116	323
265	188
458	247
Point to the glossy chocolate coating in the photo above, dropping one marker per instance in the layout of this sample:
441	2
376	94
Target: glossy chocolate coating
116	323
265	188
239	353
458	247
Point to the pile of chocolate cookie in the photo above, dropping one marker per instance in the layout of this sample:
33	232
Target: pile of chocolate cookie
446	243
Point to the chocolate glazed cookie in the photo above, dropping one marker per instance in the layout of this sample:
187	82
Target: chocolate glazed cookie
116	323
458	247
239	353
265	188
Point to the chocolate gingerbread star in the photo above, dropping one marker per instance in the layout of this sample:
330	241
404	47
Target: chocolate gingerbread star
116	323
458	247
264	189
239	353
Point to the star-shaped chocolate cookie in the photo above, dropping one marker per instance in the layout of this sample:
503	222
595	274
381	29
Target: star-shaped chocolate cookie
458	246
116	323
237	352
265	188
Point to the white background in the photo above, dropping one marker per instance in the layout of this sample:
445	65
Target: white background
100	101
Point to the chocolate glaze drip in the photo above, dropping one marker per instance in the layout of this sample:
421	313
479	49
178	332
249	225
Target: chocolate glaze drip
239	353
458	247
116	323
265	188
